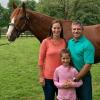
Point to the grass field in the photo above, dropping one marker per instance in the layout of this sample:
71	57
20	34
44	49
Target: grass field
19	71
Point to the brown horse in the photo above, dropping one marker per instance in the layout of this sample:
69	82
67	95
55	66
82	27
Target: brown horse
23	19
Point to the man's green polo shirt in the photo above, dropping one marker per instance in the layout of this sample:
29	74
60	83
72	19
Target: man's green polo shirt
82	52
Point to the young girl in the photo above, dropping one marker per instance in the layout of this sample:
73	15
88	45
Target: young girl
64	78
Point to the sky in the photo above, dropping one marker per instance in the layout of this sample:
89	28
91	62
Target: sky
4	2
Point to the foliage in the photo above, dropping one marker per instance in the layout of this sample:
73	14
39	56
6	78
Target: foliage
51	8
31	5
3	16
85	11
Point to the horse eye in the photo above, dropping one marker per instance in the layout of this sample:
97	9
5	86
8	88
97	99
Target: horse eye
22	17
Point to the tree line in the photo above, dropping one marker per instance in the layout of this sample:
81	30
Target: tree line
85	11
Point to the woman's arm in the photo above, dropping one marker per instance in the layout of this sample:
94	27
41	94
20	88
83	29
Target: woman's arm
42	55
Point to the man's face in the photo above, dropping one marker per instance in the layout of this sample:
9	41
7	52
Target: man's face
76	30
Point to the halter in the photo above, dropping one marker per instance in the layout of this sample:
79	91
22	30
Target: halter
20	30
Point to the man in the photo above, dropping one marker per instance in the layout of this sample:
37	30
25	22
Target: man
82	53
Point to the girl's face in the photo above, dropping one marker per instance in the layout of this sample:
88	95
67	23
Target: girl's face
56	30
65	59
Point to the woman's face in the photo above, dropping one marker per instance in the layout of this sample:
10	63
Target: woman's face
56	30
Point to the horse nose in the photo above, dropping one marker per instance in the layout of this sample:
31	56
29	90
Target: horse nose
7	36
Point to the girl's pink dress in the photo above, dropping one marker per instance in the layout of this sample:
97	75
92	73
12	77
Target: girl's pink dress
61	75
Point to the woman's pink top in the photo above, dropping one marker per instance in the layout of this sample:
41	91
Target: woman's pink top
49	56
61	75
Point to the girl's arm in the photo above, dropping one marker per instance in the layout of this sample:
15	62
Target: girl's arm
56	80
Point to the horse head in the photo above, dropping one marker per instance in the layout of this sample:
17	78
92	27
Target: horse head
19	22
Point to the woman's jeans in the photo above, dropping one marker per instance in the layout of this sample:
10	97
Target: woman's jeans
49	89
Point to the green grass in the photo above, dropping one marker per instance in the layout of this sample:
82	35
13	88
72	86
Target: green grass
19	71
96	81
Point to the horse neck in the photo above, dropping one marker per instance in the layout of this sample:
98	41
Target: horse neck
40	25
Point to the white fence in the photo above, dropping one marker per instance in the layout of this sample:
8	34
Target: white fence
25	34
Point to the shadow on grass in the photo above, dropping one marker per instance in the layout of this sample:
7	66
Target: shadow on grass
4	44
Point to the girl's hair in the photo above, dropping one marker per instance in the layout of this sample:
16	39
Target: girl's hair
63	51
50	29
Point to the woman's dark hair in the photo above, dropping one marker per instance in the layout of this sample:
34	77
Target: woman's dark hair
50	29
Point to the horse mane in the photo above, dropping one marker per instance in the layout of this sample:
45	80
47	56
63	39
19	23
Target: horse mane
39	14
28	11
15	12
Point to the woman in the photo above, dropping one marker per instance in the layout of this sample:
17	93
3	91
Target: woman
49	58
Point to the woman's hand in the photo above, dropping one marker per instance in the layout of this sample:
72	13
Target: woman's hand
42	81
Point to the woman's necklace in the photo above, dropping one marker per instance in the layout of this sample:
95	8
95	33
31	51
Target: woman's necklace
56	42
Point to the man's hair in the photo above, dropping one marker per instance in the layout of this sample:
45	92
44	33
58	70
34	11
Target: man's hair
78	23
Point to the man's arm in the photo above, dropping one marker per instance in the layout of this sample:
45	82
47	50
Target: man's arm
86	68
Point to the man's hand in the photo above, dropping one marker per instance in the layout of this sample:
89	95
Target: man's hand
67	84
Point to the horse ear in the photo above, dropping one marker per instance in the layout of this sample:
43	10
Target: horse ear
14	6
23	8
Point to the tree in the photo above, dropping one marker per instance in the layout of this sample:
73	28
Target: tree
50	7
31	4
3	16
85	11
